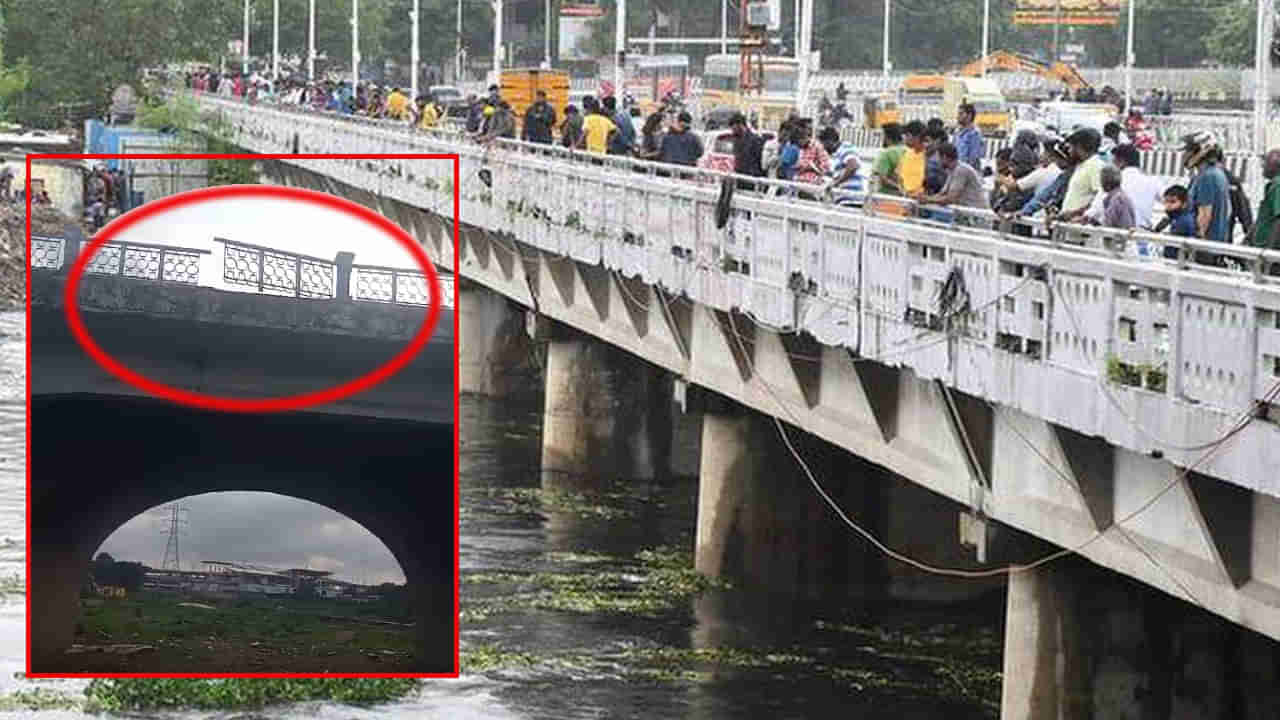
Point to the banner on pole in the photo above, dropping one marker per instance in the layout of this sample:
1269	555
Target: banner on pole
1067	12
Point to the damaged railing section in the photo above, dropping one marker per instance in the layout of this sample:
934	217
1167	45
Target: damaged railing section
273	272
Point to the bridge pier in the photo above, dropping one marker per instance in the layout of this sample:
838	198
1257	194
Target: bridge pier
607	414
493	347
760	521
54	603
1084	642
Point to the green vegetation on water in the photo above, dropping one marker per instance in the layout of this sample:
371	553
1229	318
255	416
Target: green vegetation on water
665	581
40	698
144	694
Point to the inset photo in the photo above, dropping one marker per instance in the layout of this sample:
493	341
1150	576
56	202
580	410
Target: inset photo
242	424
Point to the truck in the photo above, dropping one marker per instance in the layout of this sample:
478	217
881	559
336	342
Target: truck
992	118
520	87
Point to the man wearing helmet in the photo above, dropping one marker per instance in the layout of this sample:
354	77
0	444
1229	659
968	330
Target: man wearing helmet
1210	193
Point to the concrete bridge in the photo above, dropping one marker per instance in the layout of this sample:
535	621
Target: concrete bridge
982	403
382	457
306	324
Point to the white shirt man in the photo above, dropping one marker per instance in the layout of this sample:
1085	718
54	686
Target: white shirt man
1142	189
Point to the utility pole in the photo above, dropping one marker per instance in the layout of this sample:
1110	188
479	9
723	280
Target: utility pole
275	43
887	10
1057	22
413	62
244	67
1262	75
620	49
724	26
986	32
1128	63
311	44
806	41
497	41
355	47
546	37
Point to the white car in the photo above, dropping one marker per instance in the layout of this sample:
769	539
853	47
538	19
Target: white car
1068	117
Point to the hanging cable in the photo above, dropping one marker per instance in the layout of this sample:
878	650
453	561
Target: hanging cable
934	569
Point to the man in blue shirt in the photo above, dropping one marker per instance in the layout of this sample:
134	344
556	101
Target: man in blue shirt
1210	193
625	138
968	140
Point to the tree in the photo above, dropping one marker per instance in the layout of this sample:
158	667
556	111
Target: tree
128	575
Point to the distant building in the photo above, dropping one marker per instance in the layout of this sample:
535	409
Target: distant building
230	578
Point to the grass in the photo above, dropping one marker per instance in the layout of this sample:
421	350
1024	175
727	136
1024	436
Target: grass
279	630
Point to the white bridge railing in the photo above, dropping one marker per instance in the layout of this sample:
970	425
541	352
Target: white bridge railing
1152	354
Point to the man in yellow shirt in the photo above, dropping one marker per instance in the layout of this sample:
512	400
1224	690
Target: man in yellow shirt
597	128
397	104
428	116
912	164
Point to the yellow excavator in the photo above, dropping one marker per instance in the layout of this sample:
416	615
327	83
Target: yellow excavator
1007	61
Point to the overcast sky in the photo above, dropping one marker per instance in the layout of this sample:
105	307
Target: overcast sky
282	224
261	529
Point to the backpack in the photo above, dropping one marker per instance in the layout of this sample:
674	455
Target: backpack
1241	212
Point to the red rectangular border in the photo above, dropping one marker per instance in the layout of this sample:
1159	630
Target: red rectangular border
457	492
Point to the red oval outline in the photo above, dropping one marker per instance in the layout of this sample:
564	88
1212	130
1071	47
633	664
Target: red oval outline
232	404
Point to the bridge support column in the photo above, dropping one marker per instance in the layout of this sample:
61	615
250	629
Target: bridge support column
1042	660
493	347
1084	642
54	604
761	522
607	414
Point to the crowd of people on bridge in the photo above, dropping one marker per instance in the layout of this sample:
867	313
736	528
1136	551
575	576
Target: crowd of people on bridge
1085	177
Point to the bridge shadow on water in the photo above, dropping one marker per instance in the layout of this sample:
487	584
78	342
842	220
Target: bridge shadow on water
98	461
579	596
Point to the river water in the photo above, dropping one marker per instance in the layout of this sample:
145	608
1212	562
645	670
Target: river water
582	605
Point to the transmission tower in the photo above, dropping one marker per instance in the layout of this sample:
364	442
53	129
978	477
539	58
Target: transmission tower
176	522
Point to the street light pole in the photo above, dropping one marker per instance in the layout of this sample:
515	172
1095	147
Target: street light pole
620	47
457	47
275	43
724	26
806	42
887	10
355	47
546	38
244	67
1128	63
986	33
497	41
1261	76
413	61
311	43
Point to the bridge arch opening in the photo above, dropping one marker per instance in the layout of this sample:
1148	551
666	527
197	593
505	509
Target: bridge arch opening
98	462
234	581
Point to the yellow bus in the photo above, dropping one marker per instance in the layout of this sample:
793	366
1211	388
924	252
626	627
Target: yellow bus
722	87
